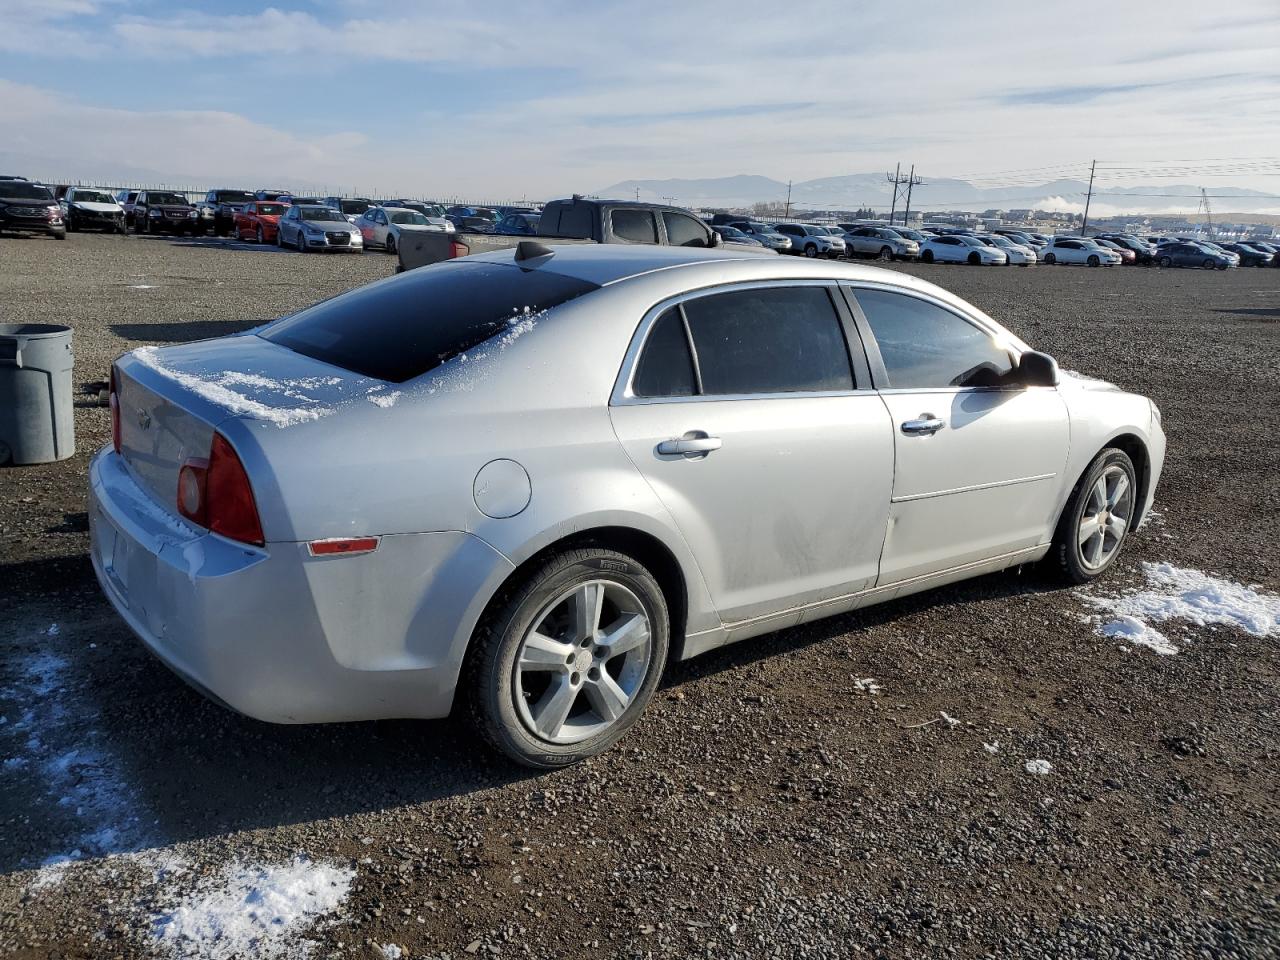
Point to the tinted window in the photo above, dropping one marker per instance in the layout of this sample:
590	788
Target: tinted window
665	368
635	226
404	326
771	340
683	231
923	345
576	220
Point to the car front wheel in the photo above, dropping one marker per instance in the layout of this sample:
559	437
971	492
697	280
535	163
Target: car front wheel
927	256
567	658
390	245
1097	518
1050	258
811	251
1093	260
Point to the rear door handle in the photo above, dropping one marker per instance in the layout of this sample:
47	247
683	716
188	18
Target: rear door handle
923	426
693	442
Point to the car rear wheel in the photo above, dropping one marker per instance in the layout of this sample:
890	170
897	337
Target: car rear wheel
886	253
1097	518
1093	260
1050	258
566	659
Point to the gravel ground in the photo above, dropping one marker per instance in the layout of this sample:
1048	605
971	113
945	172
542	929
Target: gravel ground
772	802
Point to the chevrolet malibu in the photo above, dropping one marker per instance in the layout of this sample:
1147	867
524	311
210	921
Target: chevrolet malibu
520	484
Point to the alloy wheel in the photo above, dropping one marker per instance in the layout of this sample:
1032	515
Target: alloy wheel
582	662
1105	520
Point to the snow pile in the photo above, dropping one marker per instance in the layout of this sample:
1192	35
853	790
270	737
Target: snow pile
384	400
1177	594
391	951
217	389
866	685
1038	767
253	911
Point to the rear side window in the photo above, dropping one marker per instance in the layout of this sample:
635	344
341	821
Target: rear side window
923	345
402	327
769	340
634	226
684	231
665	368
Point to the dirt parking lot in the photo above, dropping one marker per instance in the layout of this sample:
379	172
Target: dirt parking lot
859	786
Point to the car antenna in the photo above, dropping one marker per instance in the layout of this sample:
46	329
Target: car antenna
532	249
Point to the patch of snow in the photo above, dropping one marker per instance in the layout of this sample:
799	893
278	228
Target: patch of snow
867	685
1136	632
991	748
142	286
949	720
253	911
58	744
1038	767
384	400
1191	595
52	874
391	951
217	390
52	631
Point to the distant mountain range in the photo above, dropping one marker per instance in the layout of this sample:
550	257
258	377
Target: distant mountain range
875	191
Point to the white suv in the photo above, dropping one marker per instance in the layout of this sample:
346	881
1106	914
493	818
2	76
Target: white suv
811	241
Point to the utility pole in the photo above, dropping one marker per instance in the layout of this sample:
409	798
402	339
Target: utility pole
1084	225
901	188
912	181
1208	212
895	180
788	213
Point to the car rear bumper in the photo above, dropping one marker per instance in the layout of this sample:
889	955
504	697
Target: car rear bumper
281	636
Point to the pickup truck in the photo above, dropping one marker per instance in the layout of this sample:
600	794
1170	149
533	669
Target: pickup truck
577	220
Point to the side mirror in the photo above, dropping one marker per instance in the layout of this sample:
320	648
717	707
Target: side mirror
1037	369
715	240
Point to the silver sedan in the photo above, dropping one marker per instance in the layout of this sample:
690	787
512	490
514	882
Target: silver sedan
524	482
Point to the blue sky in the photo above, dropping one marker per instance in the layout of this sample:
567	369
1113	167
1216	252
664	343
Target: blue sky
540	97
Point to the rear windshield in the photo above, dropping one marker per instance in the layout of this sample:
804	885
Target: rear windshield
400	328
21	190
272	209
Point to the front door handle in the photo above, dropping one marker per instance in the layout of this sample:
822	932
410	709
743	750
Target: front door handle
695	442
923	426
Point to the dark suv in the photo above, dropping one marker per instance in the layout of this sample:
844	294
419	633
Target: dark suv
30	208
219	207
157	211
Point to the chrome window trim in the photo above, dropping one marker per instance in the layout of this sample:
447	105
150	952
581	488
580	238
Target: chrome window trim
624	395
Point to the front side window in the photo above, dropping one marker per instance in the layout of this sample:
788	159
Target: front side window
634	226
684	231
924	345
768	340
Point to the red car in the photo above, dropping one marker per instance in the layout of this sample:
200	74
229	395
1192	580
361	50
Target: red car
1127	256
257	221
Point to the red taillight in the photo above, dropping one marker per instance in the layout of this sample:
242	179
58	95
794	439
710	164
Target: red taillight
458	249
215	493
114	402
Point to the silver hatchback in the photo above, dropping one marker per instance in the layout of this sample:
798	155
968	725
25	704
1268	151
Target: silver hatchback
524	482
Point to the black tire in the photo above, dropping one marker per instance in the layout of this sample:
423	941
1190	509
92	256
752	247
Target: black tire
1066	552
488	684
299	243
1050	259
975	260
1166	261
1208	264
139	225
279	237
1093	260
390	245
886	253
72	226
260	236
811	251
927	256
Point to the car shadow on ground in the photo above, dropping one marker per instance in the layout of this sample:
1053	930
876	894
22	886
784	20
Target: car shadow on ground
223	243
188	769
182	331
1265	312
